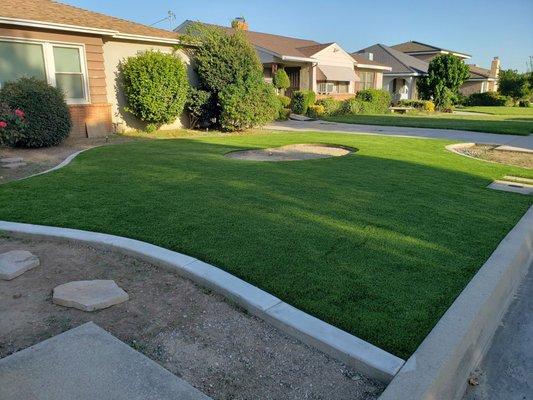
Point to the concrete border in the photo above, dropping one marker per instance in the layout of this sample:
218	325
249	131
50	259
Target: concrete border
353	351
440	367
62	164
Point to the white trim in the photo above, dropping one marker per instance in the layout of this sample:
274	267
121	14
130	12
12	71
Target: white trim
56	26
370	66
49	63
83	29
303	59
400	74
414	53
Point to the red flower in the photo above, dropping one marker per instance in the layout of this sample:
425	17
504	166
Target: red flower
19	113
3	124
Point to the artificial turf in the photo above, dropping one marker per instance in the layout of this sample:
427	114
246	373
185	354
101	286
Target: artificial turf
378	243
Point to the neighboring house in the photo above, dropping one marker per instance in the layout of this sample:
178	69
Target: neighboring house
410	60
481	79
325	68
78	51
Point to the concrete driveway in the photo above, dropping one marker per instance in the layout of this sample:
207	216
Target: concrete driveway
525	142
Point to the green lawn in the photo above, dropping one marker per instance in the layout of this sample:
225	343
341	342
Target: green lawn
378	243
520	111
521	124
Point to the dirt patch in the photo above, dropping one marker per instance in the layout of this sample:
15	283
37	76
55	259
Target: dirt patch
38	160
195	334
292	152
489	153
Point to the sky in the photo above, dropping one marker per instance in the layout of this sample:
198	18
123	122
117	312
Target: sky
483	29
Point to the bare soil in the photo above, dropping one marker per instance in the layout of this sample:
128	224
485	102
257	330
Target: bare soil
38	160
293	152
195	334
489	153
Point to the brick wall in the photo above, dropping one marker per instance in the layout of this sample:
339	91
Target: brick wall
95	115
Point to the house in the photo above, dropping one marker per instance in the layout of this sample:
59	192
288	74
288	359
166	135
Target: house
410	60
481	79
78	51
325	68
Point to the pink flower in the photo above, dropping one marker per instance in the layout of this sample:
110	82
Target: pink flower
3	124
19	113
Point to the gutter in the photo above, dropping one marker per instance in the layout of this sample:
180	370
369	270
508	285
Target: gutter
83	29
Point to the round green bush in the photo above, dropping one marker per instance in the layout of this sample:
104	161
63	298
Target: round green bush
47	117
285	101
156	86
281	79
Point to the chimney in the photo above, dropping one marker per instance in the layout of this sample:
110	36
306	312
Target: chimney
495	67
239	23
371	56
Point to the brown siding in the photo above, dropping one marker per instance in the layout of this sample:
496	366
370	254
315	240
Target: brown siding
99	109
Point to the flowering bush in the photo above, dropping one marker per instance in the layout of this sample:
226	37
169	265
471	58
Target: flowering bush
12	125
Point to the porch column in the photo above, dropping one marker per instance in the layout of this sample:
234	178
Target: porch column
312	78
410	85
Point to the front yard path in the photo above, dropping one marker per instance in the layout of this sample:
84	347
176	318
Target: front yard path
460	136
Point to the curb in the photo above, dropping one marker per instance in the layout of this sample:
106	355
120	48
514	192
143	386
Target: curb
440	367
351	350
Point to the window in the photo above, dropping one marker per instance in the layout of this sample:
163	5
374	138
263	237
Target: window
367	80
333	87
60	65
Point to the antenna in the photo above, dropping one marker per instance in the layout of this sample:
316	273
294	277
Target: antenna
171	17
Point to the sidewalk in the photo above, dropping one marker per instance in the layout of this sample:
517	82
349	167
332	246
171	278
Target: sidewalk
448	134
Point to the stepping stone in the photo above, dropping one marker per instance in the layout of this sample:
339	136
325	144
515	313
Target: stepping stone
14	165
15	263
514	187
88	363
9	160
89	295
512	148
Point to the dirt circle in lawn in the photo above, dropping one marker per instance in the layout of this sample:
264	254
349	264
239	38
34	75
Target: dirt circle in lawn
292	152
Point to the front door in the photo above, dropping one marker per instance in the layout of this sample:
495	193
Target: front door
294	77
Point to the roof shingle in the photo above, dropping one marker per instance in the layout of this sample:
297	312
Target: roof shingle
54	12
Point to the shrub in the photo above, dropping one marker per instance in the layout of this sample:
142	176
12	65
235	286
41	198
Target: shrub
446	74
421	105
155	85
315	111
228	67
46	114
513	84
488	99
301	100
298	102
284	114
12	125
247	105
376	101
524	103
331	106
199	107
281	80
285	101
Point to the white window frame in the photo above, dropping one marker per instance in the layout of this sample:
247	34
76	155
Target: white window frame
49	63
328	85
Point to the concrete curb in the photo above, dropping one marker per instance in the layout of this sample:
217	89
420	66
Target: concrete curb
364	357
62	164
440	367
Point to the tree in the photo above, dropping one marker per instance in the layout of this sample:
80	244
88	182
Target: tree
513	84
446	74
281	80
227	66
156	86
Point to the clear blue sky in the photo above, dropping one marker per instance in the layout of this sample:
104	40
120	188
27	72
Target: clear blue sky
482	28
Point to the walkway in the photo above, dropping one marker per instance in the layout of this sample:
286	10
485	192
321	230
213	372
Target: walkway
459	136
507	370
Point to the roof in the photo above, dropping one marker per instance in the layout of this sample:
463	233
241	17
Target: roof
312	50
58	13
400	63
414	47
361	59
282	45
480	73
